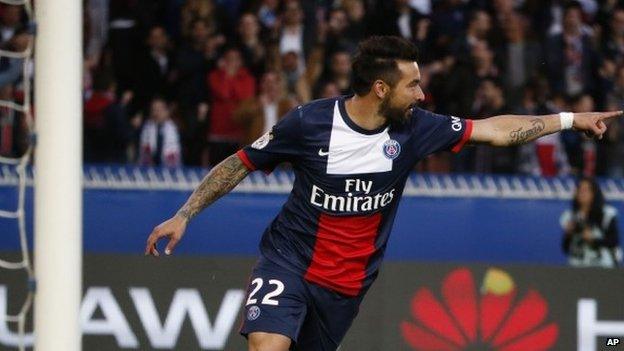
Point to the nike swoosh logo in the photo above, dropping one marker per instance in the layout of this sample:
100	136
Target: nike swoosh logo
323	153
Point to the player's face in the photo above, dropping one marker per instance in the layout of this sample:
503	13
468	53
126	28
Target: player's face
397	105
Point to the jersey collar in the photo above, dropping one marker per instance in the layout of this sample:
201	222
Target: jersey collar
353	125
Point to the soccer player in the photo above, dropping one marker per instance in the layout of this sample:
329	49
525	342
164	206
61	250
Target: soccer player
351	156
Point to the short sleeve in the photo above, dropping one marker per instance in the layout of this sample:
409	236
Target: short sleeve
434	132
280	144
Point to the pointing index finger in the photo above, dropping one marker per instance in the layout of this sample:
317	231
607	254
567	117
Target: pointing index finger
607	115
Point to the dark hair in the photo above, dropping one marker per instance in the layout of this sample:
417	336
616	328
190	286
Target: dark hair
155	27
595	212
227	47
103	80
199	20
572	5
474	14
160	98
494	80
376	58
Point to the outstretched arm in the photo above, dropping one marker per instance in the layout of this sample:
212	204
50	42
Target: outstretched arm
509	130
219	181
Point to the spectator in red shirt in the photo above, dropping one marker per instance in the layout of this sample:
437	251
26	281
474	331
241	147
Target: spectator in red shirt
230	84
107	131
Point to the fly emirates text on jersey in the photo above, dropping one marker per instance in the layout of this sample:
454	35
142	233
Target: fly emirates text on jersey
350	202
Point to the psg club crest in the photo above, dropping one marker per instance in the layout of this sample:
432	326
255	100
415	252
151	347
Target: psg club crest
391	149
262	141
253	313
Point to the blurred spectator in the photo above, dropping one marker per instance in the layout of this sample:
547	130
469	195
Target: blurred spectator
422	6
10	20
268	14
96	35
230	84
11	68
570	58
464	79
160	140
580	150
545	156
591	237
191	68
616	95
478	31
194	131
555	11
610	153
396	17
154	68
356	13
123	39
294	36
292	69
291	36
613	43
172	48
337	38
207	11
521	57
338	72
502	12
107	131
254	52
258	115
448	22
490	101
329	89
13	128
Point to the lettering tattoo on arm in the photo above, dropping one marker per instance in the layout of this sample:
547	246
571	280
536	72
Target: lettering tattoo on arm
521	136
218	182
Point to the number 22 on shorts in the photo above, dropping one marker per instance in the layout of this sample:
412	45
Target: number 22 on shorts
269	297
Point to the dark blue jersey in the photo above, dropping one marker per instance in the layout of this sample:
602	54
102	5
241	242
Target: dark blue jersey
334	227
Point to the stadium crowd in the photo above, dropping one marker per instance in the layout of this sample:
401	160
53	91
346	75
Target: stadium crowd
188	82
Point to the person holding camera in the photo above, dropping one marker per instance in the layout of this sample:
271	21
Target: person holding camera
590	227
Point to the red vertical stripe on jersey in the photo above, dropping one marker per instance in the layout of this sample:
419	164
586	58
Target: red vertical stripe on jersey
342	250
467	134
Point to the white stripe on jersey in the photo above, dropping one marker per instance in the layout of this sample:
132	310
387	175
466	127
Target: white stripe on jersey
351	152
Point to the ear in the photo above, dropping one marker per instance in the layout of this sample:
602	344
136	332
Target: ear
380	88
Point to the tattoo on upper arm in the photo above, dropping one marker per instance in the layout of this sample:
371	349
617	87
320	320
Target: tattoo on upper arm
221	179
520	136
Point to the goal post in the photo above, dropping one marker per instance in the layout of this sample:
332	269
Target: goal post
58	174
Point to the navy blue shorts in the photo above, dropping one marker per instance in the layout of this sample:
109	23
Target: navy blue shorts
282	302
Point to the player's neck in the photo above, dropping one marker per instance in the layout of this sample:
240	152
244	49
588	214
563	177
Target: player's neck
363	111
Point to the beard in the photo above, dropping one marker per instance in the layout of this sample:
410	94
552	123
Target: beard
396	115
